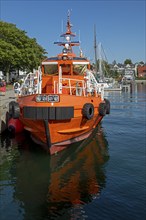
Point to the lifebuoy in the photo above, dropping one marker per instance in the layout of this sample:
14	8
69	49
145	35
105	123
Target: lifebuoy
102	109
107	102
14	109
88	110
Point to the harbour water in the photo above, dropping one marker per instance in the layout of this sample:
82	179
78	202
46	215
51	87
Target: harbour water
103	178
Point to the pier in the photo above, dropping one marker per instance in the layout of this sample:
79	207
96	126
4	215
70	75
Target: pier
126	88
4	107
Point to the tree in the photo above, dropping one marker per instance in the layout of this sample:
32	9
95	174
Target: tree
127	61
114	62
141	63
17	50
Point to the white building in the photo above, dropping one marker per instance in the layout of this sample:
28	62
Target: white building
1	75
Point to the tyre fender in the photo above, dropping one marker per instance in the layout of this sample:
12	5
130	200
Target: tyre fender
107	102
88	110
14	109
10	107
102	109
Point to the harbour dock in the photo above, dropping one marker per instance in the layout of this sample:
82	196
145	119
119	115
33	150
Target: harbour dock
121	88
4	107
126	87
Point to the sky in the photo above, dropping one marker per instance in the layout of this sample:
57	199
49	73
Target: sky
120	25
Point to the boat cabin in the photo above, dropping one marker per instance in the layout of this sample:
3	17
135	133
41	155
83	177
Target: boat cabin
64	74
66	68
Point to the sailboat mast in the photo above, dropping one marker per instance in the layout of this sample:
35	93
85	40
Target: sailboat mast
100	61
95	49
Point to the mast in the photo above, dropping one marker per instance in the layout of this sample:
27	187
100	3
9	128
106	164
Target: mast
95	49
100	61
68	43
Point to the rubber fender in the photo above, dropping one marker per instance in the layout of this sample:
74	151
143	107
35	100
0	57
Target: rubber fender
88	110
15	126
102	109
11	106
14	109
107	102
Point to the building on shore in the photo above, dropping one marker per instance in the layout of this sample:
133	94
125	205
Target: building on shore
141	71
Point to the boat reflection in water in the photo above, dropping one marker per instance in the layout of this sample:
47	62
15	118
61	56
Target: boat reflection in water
53	186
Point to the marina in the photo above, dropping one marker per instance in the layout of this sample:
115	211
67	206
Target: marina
102	178
72	110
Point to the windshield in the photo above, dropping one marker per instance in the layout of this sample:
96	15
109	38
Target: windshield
50	69
79	69
66	69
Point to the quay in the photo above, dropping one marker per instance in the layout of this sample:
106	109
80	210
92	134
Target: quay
143	81
126	88
4	107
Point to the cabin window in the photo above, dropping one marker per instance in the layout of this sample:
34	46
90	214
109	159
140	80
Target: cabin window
50	69
79	69
66	69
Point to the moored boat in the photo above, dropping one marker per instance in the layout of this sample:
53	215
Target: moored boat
62	102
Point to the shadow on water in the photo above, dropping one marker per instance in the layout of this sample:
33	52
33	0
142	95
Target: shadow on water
50	187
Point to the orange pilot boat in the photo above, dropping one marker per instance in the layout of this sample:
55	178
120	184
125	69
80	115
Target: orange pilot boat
62	102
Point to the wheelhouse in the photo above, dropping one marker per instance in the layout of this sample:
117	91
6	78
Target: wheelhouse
69	67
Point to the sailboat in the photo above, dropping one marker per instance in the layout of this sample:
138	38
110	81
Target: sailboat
108	83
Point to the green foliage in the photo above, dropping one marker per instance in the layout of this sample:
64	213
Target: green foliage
127	61
17	50
141	62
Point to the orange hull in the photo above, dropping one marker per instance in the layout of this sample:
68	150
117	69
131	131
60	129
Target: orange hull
56	147
62	132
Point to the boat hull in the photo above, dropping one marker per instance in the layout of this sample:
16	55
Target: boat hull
61	124
59	146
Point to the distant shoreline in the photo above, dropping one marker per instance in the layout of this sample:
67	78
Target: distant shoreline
140	81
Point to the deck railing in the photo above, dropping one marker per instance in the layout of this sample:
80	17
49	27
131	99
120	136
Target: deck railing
88	86
71	86
32	83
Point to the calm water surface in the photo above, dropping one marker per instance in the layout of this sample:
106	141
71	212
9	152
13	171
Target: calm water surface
102	178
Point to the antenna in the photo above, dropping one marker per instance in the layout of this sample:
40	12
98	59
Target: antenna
81	52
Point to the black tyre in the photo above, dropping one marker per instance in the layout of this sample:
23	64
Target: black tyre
102	109
88	110
14	110
11	104
107	102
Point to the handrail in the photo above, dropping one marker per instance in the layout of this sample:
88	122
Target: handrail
79	87
32	83
69	85
88	85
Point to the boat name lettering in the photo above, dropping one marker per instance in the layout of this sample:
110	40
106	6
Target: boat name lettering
47	98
